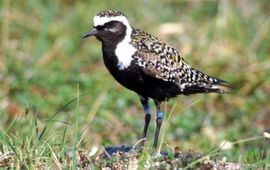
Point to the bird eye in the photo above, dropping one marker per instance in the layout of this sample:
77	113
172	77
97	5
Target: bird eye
111	26
113	29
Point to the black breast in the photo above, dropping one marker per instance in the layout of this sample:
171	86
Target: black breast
135	79
130	77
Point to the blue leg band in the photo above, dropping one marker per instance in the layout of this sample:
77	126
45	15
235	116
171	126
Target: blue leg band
159	115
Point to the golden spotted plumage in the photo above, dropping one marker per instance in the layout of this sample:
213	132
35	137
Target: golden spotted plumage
162	61
110	13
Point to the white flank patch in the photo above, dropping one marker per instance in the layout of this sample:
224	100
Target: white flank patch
182	86
124	50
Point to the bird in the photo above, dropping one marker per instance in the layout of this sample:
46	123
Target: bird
148	66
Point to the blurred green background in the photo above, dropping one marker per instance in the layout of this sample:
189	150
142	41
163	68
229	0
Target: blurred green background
46	69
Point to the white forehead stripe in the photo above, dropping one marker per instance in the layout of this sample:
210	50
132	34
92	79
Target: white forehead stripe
99	21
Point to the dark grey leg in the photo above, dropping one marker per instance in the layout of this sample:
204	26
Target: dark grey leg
147	116
159	118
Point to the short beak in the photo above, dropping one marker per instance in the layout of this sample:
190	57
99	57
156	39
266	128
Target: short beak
94	31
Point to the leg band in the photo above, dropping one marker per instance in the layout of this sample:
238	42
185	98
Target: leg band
159	115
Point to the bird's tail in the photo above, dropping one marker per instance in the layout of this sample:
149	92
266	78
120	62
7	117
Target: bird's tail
218	86
207	84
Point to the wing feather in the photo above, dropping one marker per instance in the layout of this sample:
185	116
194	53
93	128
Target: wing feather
157	58
162	61
152	65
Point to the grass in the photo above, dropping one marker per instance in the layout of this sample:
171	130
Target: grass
57	100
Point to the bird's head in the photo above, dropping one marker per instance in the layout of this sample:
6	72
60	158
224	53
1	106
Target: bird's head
110	26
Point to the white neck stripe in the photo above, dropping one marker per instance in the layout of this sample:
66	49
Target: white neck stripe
124	50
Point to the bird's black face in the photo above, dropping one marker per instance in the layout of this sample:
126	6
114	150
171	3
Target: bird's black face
113	31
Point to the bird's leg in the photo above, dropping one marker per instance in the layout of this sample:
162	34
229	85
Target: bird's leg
147	117
159	118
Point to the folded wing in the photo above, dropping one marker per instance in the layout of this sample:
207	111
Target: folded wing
163	62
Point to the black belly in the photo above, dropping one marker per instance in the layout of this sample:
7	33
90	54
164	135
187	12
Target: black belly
135	79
